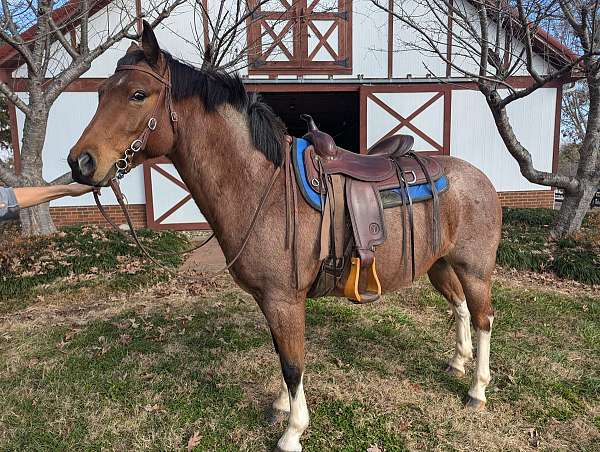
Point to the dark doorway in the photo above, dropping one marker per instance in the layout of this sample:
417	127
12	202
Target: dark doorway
336	113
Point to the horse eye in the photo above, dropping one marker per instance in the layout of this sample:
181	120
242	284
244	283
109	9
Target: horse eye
139	96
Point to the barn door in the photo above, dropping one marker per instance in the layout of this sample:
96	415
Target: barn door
421	111
300	37
274	35
326	35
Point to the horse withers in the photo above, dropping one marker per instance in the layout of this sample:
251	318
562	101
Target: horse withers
224	143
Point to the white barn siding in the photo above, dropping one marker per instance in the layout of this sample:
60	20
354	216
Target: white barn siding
474	136
369	40
462	58
408	58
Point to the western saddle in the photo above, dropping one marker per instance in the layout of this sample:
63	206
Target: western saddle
349	185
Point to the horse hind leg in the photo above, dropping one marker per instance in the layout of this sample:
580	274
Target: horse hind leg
444	279
478	291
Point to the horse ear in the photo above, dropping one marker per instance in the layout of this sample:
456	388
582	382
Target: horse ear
133	48
150	45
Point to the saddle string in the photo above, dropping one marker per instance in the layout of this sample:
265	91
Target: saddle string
403	214
291	213
407	201
435	220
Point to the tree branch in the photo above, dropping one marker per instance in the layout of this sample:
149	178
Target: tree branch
64	179
12	96
62	39
520	153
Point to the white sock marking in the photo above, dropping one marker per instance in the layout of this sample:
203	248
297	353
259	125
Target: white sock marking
282	402
464	347
482	372
290	441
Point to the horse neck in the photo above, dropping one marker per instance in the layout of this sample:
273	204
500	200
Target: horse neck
220	166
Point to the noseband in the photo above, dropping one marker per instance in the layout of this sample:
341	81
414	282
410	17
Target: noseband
125	164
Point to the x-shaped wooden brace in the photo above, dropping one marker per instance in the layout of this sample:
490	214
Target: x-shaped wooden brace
406	122
322	39
179	184
277	39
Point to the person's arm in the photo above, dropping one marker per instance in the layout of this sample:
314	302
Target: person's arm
32	196
9	209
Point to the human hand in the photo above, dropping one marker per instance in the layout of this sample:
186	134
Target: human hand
77	189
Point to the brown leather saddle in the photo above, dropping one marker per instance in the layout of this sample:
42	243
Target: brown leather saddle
352	222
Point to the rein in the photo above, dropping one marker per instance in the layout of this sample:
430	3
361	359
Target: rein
125	164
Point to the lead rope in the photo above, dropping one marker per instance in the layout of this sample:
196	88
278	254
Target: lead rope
114	184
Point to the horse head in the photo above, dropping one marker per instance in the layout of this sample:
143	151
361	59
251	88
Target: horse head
134	120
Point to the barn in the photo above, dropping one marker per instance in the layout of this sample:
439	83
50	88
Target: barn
340	61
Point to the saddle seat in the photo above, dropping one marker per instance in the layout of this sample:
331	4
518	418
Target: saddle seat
376	166
351	186
393	147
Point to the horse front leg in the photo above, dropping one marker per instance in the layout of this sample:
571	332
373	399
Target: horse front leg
286	321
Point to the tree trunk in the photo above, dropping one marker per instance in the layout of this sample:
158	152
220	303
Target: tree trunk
37	221
574	207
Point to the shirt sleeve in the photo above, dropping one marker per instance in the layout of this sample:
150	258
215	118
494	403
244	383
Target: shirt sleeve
9	208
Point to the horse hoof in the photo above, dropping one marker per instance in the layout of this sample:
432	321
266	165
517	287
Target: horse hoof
279	449
275	416
475	404
455	372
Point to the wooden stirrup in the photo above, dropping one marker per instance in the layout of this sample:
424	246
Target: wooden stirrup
351	289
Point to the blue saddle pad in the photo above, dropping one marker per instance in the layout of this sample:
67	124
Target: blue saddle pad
390	198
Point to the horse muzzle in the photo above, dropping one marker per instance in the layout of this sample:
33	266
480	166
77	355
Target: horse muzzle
83	168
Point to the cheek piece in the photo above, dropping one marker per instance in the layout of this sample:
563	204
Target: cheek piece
125	164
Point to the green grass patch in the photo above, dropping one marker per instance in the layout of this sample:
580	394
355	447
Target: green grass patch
524	246
149	381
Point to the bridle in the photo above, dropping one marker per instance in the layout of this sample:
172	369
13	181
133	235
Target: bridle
125	164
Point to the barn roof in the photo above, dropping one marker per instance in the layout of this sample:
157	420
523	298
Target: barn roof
10	59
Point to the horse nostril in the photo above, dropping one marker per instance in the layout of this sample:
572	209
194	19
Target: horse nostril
87	164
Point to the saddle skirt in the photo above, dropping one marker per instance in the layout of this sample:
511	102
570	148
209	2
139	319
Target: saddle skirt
304	160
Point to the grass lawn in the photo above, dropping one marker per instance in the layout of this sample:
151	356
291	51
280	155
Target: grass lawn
146	366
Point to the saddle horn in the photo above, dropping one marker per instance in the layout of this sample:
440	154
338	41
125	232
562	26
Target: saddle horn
324	144
312	127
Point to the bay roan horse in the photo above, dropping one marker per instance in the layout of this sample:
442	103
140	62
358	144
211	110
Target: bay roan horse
226	147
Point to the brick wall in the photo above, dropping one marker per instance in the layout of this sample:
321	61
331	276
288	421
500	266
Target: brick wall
539	198
64	216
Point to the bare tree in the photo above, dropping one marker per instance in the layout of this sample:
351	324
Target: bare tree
494	40
55	46
221	31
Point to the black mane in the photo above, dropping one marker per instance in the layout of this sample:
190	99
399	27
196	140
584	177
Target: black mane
216	88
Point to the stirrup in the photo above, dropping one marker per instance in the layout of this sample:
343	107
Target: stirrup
351	290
